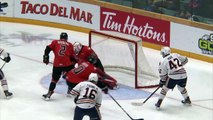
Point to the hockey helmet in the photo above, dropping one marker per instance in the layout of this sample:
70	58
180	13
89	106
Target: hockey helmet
64	36
165	51
93	77
77	47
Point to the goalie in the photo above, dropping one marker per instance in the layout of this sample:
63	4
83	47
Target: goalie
86	53
82	72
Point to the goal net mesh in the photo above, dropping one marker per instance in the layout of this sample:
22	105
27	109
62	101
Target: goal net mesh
122	57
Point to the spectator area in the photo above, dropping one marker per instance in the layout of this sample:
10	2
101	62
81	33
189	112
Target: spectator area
194	10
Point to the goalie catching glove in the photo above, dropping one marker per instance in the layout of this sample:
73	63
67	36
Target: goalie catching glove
46	59
161	83
7	59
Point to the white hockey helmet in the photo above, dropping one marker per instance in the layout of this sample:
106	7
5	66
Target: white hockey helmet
165	51
93	77
77	47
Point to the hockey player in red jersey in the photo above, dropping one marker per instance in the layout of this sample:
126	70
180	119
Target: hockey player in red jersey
82	72
86	53
3	79
63	60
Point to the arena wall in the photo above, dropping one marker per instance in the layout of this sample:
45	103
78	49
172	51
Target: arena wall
183	36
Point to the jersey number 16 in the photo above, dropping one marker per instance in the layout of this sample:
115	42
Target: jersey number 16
90	93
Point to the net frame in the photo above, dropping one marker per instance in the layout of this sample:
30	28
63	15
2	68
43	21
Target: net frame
124	69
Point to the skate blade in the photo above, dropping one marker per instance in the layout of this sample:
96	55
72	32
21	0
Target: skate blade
69	95
46	99
187	104
157	108
8	97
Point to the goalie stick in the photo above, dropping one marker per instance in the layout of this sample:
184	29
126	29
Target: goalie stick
122	108
141	103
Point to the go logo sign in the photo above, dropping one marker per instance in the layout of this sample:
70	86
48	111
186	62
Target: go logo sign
206	42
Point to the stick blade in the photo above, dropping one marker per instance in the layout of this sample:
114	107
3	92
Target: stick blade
137	103
138	119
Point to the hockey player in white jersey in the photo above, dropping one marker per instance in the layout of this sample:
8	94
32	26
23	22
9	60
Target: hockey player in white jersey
172	73
88	98
3	80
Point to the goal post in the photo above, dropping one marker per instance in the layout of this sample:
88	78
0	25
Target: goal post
122	55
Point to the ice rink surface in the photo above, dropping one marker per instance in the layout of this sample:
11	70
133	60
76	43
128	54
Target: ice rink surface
28	79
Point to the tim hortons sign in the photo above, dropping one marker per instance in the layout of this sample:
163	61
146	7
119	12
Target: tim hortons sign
149	29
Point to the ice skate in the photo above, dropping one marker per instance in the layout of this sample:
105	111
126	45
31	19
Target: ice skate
8	94
47	96
157	105
187	101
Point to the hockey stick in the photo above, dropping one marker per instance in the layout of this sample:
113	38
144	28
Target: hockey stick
139	104
3	64
123	109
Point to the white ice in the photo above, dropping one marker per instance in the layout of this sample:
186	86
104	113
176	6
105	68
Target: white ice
26	44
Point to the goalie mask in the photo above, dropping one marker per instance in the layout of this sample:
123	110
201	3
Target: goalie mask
93	77
165	51
77	47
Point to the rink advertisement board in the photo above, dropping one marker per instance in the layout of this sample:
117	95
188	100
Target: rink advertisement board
192	39
6	8
149	29
160	32
65	12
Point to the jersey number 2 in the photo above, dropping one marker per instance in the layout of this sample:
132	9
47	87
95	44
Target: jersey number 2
62	50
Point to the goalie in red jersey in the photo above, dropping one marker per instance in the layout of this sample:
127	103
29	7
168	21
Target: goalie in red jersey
82	72
86	53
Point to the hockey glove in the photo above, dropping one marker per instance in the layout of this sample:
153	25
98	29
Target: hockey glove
105	90
7	59
161	83
46	59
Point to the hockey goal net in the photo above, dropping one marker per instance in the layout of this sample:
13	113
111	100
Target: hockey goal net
122	56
